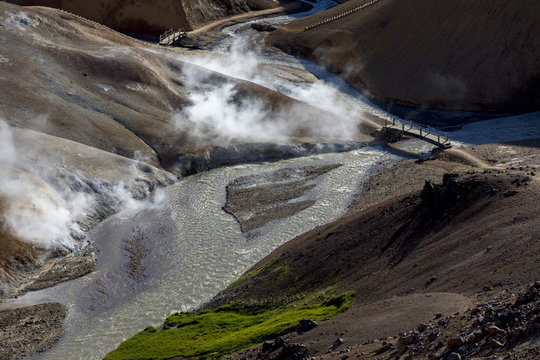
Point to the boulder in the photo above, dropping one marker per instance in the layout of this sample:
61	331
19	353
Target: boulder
305	325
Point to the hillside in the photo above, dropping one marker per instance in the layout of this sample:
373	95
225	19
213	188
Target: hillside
99	118
143	17
481	56
468	242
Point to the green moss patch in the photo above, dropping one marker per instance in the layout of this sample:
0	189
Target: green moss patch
229	328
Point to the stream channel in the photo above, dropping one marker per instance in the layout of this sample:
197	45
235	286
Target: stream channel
194	249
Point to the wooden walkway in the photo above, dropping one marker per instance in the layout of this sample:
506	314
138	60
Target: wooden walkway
339	16
172	37
417	131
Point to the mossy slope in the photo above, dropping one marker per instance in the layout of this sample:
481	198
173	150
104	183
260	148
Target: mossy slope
229	328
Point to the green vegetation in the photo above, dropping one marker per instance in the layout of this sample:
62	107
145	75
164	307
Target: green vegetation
229	328
251	274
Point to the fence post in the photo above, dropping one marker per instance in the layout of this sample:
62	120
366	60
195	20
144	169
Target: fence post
420	133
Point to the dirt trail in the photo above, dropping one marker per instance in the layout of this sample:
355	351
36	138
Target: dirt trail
237	18
468	157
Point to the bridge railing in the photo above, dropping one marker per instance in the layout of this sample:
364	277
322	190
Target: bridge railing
171	34
348	12
417	130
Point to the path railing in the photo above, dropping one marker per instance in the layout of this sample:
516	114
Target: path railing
333	18
172	36
417	131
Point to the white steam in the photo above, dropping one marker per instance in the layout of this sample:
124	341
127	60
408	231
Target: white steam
32	209
49	216
36	213
219	113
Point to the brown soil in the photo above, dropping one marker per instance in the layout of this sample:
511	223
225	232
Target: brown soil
429	54
143	17
30	330
14	255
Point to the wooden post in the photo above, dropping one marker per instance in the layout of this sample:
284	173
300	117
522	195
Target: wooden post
428	130
393	121
446	137
439	140
420	133
402	128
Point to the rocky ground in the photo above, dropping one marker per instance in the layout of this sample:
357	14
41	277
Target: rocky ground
502	325
29	330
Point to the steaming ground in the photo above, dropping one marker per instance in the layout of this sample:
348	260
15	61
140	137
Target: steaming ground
95	121
105	122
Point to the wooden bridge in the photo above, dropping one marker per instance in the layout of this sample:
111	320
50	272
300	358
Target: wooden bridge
416	131
172	37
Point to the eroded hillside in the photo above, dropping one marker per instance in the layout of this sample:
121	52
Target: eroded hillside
101	118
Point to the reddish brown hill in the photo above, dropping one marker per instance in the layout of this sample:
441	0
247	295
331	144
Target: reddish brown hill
456	55
152	17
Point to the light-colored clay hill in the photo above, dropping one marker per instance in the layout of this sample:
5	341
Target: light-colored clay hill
479	56
81	81
152	17
98	116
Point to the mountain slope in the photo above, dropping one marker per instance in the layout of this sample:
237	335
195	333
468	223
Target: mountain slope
481	56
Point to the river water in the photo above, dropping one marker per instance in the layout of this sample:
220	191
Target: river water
193	248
